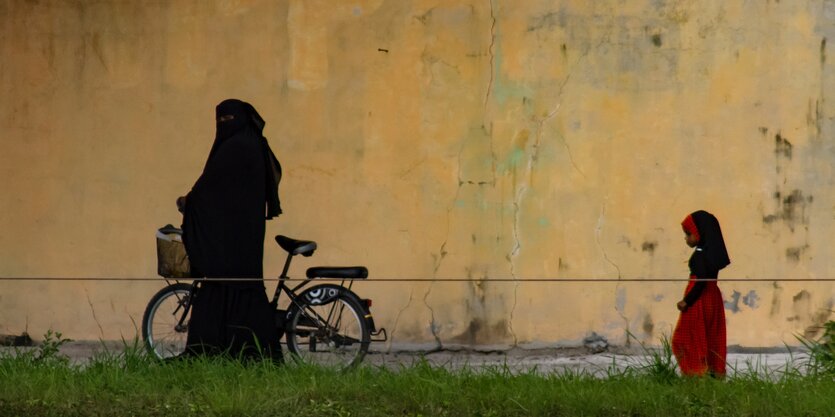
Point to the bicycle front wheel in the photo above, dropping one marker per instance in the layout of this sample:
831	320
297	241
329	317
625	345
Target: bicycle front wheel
328	330
164	329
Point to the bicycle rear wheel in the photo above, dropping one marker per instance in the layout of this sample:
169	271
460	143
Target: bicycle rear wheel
328	330
161	330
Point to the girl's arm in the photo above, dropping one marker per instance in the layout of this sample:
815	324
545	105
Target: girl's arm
697	270
694	292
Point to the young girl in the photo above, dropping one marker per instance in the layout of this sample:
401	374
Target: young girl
699	341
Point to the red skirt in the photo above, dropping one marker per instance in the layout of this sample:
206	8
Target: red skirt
699	340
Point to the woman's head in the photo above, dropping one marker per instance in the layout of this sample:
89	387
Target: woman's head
233	115
702	230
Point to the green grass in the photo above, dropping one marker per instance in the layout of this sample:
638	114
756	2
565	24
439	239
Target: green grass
822	350
128	383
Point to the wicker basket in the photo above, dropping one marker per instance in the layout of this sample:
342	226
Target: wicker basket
172	260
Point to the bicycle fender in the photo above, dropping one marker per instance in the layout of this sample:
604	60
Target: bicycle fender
326	293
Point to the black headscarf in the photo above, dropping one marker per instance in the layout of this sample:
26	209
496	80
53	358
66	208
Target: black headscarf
710	239
223	225
233	116
710	255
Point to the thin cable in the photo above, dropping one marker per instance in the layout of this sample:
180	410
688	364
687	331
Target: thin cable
556	280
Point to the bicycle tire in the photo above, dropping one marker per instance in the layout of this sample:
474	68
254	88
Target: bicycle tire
327	327
159	323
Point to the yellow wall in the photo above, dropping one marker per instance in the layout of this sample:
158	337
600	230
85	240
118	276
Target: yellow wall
432	139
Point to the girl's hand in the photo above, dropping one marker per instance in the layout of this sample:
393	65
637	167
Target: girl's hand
682	305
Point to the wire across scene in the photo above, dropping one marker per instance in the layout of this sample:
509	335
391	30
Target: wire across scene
397	280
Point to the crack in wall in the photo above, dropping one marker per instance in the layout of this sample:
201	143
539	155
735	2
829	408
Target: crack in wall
620	307
521	191
540	126
517	246
534	155
397	319
93	310
432	325
409	170
620	296
517	203
540	123
439	258
603	39
597	233
438	261
531	165
571	156
492	55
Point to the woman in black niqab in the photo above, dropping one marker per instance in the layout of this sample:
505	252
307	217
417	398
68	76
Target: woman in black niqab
223	231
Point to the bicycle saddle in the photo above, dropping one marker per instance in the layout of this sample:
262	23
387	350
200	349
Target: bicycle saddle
169	229
346	272
296	247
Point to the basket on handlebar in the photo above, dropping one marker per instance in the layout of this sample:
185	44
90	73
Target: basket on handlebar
172	260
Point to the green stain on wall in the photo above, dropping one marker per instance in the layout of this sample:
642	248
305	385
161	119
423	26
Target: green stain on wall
514	159
517	154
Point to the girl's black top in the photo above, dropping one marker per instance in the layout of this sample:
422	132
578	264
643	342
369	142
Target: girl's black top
700	268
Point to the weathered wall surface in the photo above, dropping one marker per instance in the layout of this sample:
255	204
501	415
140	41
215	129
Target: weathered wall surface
432	139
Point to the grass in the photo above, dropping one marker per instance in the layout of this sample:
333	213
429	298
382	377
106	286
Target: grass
822	351
129	383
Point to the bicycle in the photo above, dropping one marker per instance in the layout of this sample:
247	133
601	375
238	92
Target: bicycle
327	324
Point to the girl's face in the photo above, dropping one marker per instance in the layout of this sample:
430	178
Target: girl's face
690	240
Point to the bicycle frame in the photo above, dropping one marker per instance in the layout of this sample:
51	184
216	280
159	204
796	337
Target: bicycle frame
292	294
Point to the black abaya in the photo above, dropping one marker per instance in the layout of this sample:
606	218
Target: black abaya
223	231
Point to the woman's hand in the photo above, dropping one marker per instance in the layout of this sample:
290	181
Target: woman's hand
181	204
682	306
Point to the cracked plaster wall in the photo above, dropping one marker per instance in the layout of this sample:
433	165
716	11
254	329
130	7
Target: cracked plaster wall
432	139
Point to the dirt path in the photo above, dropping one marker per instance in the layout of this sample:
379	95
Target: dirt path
764	361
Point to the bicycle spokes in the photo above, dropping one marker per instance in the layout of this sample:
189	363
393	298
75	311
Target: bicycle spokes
165	322
332	334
